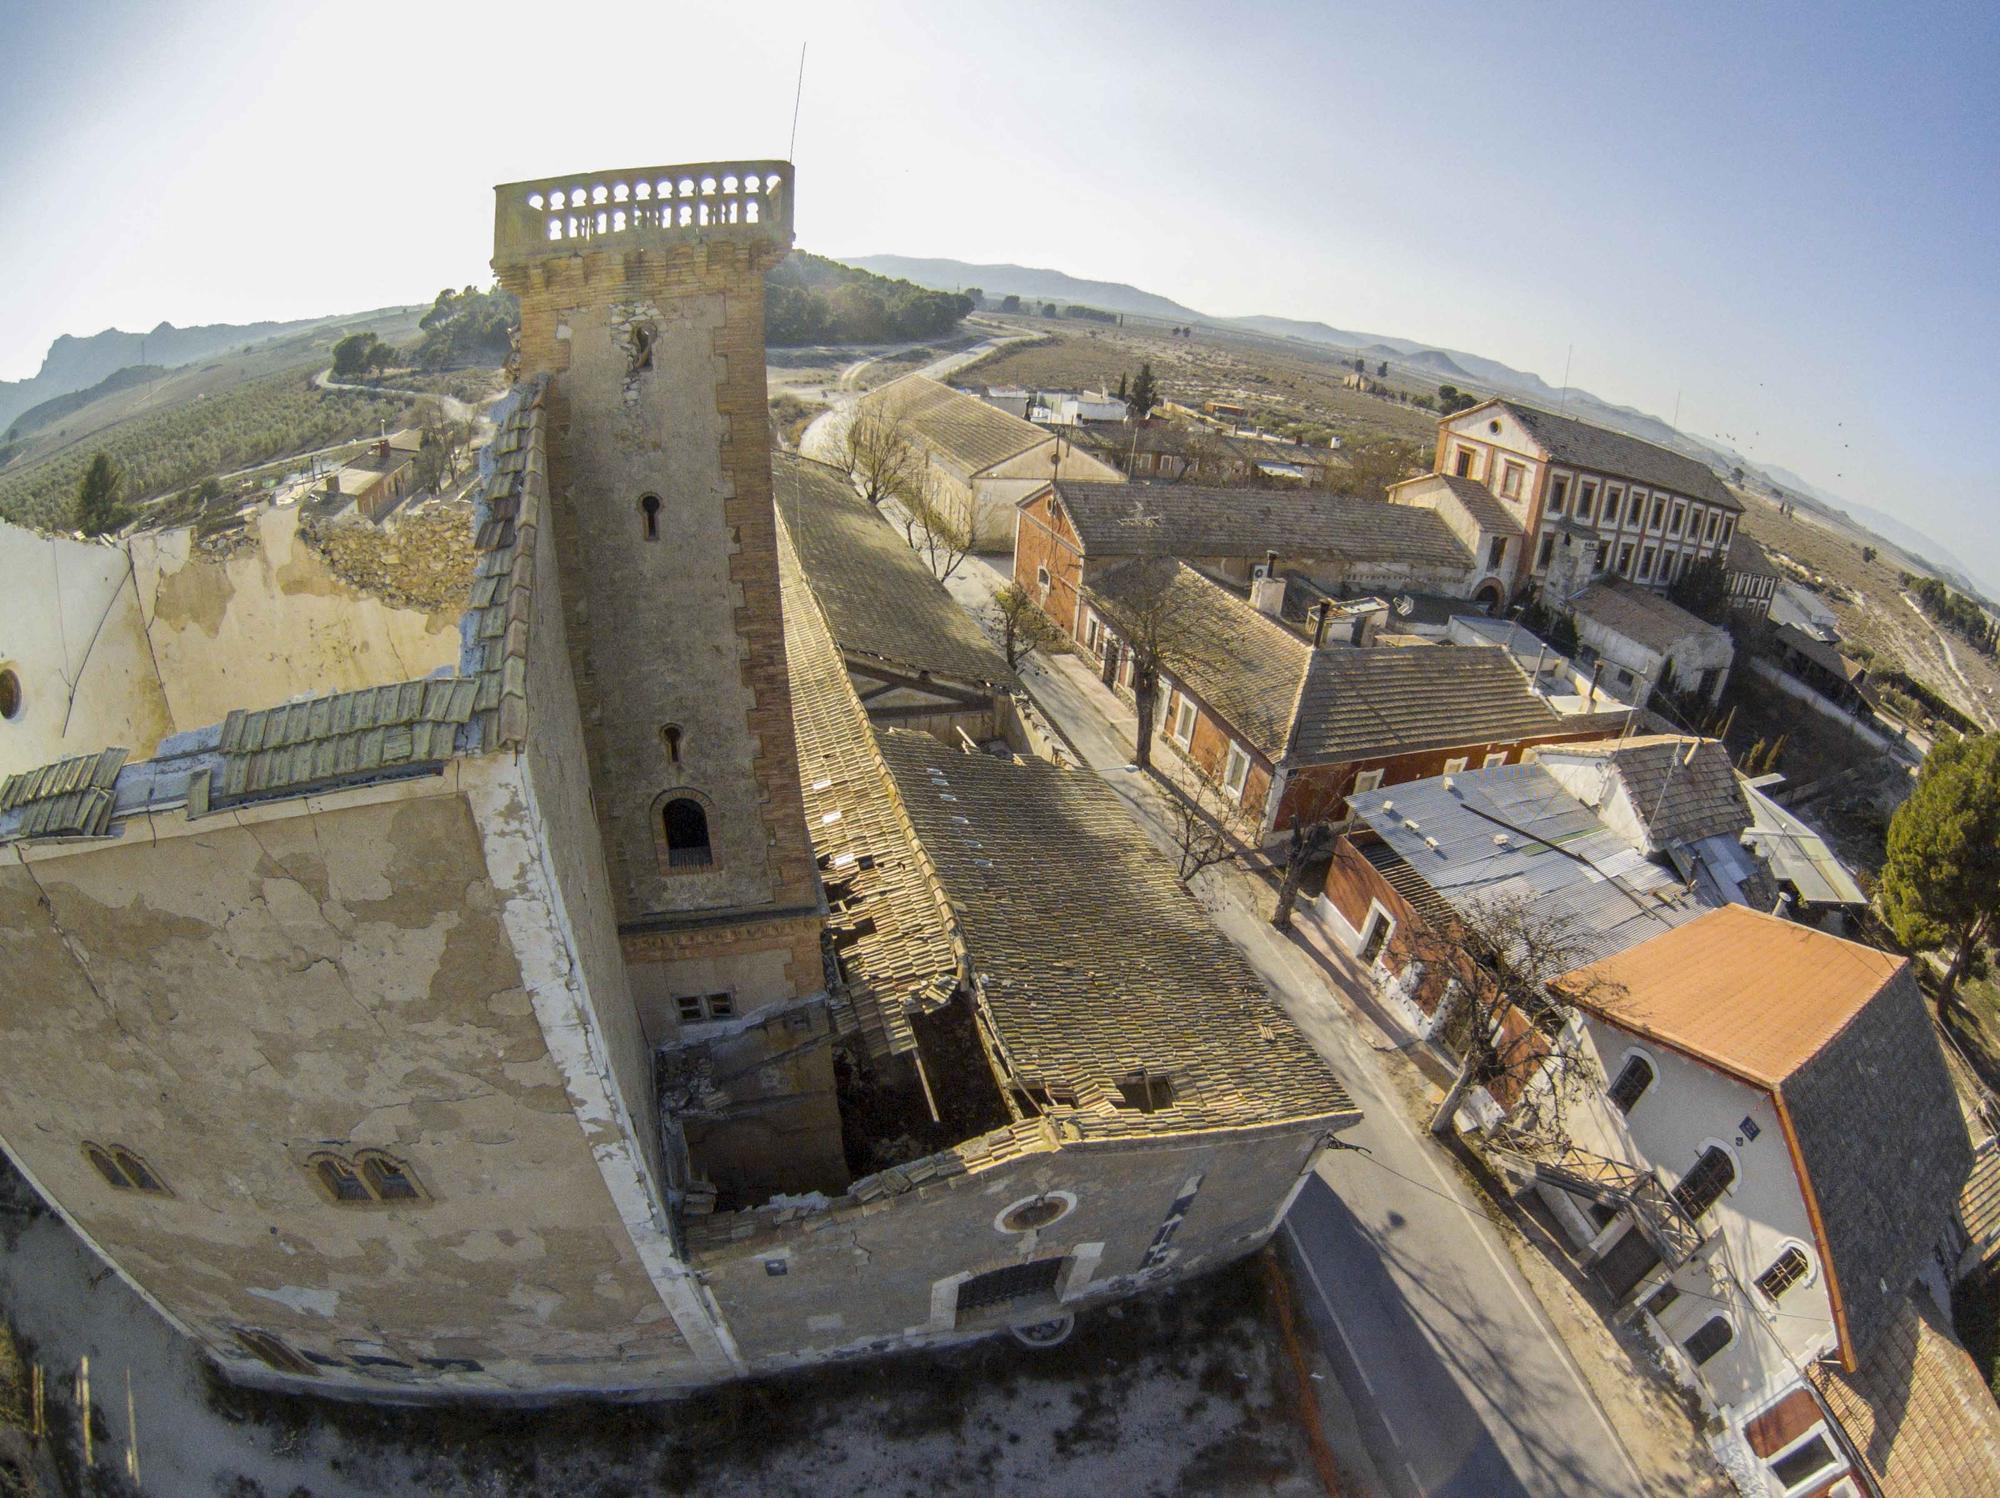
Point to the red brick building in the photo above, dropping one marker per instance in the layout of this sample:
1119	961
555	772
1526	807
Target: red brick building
1288	728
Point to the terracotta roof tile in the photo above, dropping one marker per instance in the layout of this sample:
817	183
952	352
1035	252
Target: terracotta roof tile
1570	441
1638	614
975	433
1185	520
1360	703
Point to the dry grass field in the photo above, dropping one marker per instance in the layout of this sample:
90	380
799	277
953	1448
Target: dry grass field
1280	383
1871	606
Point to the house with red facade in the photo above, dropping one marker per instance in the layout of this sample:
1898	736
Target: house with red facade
1289	724
1068	534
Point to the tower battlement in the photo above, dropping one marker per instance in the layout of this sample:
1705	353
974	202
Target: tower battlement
640	207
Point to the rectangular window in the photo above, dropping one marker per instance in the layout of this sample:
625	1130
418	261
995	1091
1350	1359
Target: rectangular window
1586	499
1709	534
1660	1299
1379	928
1659	510
1548	550
1454	766
1184	715
1680	518
1613	499
1558	493
1498	757
1511	475
1646	564
1625	560
1465	462
1728	529
1496	552
997	1287
1803	1462
1367	780
694	1008
1237	772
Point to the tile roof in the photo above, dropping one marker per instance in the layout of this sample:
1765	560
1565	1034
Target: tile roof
1638	614
1747	556
1359	703
1918	1411
1823	655
509	515
974	432
1187	520
1682	789
878	598
344	736
1092	963
1979	1200
1839	1035
70	798
1512	835
890	934
1568	440
1748	992
1481	503
1245	666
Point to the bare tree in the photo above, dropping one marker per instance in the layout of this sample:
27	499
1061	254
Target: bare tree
1207	823
934	533
876	450
1155	612
1023	624
1503	977
1318	813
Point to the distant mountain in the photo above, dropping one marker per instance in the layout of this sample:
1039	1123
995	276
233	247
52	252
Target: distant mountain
1025	282
51	411
74	364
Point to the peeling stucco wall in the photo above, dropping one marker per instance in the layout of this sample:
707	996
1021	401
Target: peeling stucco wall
126	642
224	997
853	1278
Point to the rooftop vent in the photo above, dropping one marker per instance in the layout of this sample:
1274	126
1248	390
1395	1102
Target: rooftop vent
1501	840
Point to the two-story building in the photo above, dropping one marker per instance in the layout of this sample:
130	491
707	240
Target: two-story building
1762	1148
1288	724
1654	510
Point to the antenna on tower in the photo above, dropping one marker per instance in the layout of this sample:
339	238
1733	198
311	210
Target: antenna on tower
798	94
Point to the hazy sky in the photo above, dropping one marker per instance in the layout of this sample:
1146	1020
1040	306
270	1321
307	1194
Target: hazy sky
1785	218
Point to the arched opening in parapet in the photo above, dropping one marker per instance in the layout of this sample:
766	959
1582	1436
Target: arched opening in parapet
686	828
649	514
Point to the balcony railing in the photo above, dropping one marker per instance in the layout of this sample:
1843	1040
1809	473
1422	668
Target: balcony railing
742	199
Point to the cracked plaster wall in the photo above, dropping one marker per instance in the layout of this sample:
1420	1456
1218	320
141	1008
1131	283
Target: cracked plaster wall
127	642
227	998
858	1278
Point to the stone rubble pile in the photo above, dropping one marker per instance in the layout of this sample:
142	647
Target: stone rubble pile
422	560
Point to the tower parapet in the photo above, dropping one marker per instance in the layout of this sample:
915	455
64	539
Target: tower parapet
642	206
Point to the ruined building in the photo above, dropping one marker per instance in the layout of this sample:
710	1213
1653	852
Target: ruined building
582	991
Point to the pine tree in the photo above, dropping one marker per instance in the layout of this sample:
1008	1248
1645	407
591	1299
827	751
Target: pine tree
97	508
1941	883
1145	392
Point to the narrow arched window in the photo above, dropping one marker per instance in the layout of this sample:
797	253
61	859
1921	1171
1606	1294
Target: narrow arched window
686	827
649	511
1702	1187
670	736
1632	1083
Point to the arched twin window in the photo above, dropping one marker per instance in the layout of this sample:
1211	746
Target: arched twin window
686	827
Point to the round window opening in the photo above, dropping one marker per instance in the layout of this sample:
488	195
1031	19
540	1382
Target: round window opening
1035	1212
10	695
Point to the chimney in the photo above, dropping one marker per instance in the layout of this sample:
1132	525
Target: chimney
1270	563
382	449
1321	611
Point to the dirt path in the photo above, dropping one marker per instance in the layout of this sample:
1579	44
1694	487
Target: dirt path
1974	700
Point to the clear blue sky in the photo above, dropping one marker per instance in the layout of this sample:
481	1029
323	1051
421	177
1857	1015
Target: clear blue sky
1784	217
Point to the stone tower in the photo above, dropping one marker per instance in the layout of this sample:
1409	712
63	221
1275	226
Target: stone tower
642	299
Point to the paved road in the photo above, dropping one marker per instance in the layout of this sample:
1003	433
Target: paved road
1462	1386
821	439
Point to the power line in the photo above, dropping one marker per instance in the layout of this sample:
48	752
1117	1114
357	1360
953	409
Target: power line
792	148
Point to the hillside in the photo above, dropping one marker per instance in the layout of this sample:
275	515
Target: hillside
51	411
1025	282
74	364
812	300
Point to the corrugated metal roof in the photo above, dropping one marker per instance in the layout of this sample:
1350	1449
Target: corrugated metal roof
1799	856
1513	835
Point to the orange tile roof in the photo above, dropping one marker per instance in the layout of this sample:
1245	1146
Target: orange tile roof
1748	992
